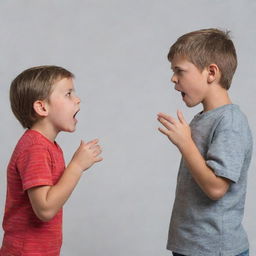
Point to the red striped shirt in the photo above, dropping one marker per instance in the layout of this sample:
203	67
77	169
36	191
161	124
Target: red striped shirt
36	161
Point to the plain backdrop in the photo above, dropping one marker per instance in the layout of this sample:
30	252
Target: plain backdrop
117	50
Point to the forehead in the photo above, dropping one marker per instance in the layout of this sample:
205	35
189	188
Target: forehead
179	61
63	84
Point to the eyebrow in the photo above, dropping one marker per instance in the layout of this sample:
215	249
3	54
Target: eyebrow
71	89
176	67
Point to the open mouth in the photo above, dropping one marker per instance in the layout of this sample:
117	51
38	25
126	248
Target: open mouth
183	94
74	116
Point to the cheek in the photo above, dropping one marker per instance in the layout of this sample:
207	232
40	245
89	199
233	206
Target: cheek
61	104
57	109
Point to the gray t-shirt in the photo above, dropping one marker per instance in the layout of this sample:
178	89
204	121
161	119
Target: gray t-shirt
201	226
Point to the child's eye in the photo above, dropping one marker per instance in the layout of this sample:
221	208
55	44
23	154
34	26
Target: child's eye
68	94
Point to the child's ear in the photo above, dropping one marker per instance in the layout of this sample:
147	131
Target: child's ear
213	73
40	108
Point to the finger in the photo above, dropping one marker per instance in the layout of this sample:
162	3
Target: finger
167	117
165	123
181	117
97	150
96	154
163	131
94	146
82	143
98	159
92	142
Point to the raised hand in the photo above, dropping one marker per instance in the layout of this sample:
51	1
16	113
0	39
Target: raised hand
177	130
86	155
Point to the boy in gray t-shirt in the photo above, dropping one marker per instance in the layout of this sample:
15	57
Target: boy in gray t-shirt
216	149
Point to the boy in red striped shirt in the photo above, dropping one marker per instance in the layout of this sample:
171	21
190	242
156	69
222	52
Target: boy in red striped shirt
38	183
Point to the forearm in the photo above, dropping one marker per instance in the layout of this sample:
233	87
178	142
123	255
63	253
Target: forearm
48	200
213	186
179	133
59	193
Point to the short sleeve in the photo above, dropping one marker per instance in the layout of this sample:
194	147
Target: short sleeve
34	167
226	154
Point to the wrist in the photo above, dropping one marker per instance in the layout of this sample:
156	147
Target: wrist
75	168
186	146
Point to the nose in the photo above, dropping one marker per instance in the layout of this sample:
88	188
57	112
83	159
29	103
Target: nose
174	79
77	100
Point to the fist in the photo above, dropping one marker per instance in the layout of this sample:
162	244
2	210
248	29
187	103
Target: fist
87	154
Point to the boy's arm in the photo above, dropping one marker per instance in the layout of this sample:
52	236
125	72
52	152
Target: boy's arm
178	131
46	201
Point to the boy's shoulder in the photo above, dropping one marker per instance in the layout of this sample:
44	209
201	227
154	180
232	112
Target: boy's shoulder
227	121
232	118
32	140
225	117
232	124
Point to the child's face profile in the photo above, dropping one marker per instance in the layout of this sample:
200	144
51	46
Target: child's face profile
189	80
63	105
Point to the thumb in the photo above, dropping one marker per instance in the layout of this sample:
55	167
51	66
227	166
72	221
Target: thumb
82	143
94	141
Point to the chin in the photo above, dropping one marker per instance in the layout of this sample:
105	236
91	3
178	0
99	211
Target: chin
72	130
69	129
192	104
189	105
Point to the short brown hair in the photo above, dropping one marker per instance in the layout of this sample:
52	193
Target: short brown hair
31	85
207	46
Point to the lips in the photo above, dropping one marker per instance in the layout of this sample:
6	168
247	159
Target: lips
74	116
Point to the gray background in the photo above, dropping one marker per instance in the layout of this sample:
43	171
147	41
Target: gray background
117	50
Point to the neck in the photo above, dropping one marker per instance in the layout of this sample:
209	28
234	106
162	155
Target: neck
216	97
45	130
